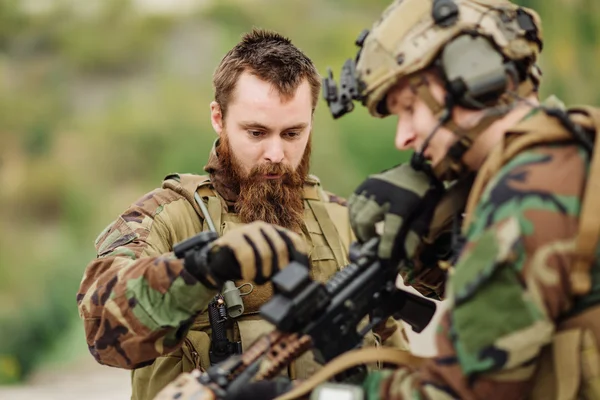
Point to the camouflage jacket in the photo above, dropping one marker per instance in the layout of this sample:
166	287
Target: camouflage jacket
509	289
136	299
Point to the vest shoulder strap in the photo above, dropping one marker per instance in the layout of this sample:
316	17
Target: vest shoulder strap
589	219
332	216
312	189
337	207
188	185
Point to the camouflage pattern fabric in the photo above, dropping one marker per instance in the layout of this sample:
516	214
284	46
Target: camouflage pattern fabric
136	300
509	288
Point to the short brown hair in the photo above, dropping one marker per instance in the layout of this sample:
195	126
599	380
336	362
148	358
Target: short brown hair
272	58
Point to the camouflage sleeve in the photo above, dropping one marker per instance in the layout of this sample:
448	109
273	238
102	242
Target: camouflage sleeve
136	299
508	287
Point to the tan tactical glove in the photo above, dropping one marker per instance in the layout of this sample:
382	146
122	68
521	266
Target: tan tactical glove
253	252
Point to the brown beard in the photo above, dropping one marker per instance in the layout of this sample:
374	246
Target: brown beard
275	201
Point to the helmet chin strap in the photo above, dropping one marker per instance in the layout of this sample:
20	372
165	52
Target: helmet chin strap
418	160
441	112
451	166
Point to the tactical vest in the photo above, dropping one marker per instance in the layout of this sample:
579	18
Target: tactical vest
569	367
327	232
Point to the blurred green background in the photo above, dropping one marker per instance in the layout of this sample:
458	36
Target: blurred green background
99	100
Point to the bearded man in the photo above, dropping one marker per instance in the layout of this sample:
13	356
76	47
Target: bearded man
145	308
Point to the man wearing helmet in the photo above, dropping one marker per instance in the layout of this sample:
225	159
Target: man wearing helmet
522	317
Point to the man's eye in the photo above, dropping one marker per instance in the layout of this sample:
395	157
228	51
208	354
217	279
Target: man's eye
292	134
255	133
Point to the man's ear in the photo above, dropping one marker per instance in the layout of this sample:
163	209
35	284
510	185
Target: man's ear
216	117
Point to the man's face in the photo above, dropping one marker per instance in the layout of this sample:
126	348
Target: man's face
265	150
416	121
264	128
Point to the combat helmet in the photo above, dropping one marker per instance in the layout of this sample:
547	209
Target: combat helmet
481	48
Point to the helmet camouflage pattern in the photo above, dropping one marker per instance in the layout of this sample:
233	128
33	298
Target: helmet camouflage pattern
410	35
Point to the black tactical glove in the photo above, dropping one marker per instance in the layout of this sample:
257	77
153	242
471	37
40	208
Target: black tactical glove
253	252
404	200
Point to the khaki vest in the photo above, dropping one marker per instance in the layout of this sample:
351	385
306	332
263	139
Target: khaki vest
327	232
569	366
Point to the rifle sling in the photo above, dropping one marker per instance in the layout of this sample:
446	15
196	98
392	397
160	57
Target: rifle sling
349	360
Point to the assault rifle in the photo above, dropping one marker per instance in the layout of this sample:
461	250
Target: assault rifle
323	317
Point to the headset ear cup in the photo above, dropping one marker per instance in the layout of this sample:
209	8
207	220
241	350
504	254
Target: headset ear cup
474	71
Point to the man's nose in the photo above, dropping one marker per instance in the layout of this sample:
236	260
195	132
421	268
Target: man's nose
405	136
273	151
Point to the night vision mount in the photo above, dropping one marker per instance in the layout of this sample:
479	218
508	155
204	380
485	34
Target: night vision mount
340	100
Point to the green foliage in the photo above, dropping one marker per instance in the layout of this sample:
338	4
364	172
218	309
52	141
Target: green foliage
10	20
36	325
371	141
98	102
126	46
108	38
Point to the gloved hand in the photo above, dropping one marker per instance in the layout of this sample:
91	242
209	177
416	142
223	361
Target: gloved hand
262	390
404	200
253	252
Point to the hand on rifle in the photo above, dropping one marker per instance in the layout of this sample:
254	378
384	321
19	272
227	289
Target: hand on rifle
254	252
401	198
